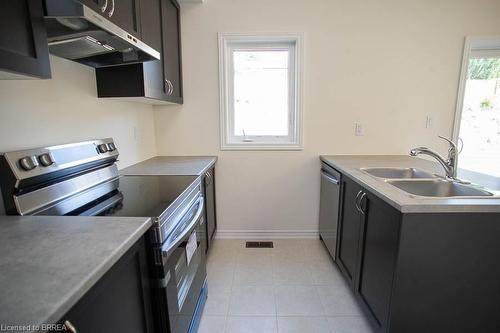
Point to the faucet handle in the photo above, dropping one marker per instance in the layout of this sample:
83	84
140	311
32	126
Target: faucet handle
461	142
453	146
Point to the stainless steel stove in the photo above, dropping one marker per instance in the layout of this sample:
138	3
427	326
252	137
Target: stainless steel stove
83	179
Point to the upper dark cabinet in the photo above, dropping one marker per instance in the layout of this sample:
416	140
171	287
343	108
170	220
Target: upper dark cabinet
154	82
23	40
172	64
151	23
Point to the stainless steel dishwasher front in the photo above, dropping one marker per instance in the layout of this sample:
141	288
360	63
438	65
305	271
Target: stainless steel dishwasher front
329	207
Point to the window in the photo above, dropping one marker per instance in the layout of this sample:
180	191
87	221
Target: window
477	122
260	91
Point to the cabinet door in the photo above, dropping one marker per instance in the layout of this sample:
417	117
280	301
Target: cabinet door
125	14
378	250
23	40
349	231
119	301
152	35
210	204
151	23
172	50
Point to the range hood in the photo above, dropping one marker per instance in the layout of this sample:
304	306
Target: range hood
76	32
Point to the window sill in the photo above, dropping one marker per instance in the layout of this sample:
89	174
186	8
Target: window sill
261	147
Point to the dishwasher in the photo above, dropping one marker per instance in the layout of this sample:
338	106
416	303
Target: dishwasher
329	208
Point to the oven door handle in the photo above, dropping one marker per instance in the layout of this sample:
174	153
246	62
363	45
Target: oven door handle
171	244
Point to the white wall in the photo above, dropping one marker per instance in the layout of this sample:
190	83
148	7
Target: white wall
66	109
386	64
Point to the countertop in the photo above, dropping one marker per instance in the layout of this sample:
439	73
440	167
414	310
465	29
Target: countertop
48	263
406	203
171	166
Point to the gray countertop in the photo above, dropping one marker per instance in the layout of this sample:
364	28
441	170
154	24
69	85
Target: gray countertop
171	166
48	263
406	203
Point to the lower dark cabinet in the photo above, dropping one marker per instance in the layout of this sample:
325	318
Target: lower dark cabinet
24	51
419	272
377	259
211	216
120	301
349	229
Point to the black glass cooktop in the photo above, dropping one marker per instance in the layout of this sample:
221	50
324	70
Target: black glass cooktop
137	196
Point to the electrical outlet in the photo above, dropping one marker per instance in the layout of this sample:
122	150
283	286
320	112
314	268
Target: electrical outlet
358	129
428	122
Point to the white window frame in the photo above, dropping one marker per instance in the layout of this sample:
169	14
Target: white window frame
228	42
474	47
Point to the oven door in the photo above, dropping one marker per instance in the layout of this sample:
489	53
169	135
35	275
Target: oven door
184	270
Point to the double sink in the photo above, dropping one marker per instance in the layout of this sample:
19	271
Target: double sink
422	183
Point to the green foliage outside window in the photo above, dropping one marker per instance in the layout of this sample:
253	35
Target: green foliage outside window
484	69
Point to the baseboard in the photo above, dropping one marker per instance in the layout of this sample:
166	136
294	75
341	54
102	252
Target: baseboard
266	234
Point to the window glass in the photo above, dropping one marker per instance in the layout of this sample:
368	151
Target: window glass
261	93
480	119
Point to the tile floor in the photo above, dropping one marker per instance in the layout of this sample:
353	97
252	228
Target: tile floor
294	287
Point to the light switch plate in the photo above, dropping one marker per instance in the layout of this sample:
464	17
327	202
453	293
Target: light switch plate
428	122
358	129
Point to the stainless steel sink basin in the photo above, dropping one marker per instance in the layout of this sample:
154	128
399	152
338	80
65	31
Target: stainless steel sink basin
398	173
439	188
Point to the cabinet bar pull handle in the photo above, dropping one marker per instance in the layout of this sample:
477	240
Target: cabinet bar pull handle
363	196
330	178
112	10
169	87
356	201
105	6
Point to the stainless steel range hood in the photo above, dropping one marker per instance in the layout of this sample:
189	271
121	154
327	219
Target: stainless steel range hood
76	32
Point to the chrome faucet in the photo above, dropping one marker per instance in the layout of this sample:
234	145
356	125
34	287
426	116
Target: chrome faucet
449	164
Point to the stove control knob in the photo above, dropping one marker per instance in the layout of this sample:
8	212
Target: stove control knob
103	148
45	160
111	146
28	163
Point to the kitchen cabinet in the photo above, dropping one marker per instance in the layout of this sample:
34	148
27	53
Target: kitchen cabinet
368	244
151	23
119	301
153	82
137	80
349	230
416	272
379	237
23	40
210	211
172	63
